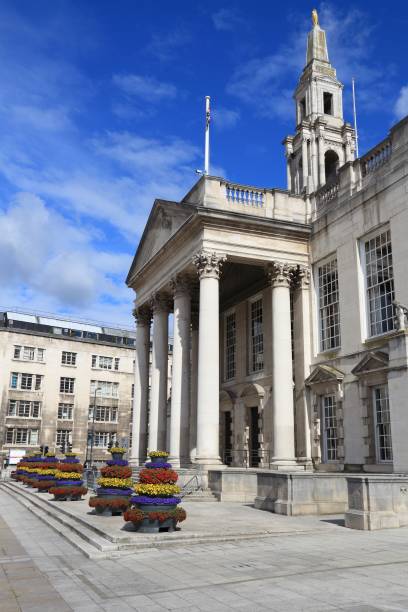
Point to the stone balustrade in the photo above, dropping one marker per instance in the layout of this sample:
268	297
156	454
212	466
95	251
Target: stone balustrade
327	193
376	157
244	195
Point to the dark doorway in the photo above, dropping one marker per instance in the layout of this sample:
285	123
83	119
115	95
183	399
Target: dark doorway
227	438
253	437
331	165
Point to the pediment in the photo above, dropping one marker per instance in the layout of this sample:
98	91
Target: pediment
324	373
371	362
165	219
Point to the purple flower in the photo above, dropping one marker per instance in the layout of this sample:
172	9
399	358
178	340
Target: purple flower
77	483
155	465
114	491
117	462
143	499
70	460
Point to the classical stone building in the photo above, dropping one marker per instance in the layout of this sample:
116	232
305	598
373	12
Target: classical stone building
290	341
54	374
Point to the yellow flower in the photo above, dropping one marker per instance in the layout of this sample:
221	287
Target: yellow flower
158	490
68	475
115	482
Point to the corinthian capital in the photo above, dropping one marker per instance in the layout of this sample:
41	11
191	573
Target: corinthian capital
159	302
208	264
181	284
302	277
142	315
280	274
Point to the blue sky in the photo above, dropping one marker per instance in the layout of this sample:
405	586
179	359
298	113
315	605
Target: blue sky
101	111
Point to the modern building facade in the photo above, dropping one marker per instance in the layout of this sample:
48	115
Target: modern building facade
55	374
290	341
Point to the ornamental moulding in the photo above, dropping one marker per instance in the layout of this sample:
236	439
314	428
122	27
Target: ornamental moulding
160	302
280	274
142	315
208	264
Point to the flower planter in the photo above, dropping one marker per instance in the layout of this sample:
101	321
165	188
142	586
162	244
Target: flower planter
117	456
114	491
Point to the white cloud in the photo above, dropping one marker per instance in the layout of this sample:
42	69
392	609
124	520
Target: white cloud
401	105
225	118
146	88
165	46
226	19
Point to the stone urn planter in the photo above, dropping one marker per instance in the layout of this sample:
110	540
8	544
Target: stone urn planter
155	506
115	486
68	484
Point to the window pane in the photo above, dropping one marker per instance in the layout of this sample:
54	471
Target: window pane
17	352
12	407
329	427
230	344
14	380
380	283
26	381
383	423
329	313
257	358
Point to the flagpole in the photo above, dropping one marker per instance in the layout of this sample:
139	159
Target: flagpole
355	115
207	136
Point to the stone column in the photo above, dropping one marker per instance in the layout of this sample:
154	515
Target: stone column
302	346
180	385
315	171
322	170
158	393
283	435
288	172
305	167
208	267
138	451
193	388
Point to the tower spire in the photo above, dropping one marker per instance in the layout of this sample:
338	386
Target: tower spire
316	42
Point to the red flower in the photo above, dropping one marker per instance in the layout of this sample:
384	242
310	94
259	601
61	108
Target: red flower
157	476
116	471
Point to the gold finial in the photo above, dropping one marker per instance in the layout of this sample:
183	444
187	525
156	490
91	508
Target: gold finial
315	17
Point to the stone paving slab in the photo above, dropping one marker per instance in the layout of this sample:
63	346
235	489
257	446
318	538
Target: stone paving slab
321	570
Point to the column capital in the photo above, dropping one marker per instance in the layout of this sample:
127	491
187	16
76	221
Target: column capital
208	264
181	284
159	302
302	277
280	274
142	314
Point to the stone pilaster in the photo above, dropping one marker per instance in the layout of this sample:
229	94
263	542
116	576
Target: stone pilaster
209	268
193	386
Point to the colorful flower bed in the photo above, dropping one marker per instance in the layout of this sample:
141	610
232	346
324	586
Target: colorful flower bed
154	508
26	468
115	486
68	485
46	473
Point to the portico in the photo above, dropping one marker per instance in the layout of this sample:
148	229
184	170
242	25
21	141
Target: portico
197	259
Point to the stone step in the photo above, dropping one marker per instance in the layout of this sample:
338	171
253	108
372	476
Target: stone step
201	495
84	542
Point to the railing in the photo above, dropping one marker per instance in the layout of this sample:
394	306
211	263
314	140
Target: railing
376	157
191	486
327	193
249	196
243	457
90	476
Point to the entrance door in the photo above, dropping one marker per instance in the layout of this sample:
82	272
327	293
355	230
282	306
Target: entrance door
227	442
253	437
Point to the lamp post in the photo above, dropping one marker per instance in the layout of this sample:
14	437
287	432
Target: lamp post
93	424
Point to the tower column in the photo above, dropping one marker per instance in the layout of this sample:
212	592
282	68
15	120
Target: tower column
180	387
304	162
322	170
193	386
315	172
288	172
209	269
158	394
138	450
283	434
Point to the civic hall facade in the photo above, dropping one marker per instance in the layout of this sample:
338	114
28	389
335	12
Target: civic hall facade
290	332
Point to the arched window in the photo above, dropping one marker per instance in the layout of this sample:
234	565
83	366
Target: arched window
331	165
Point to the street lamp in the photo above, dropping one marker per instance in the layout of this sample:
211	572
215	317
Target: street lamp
93	424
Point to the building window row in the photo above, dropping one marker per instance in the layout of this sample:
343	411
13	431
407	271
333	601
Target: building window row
102	439
29	353
67	385
24	409
25	382
104	388
22	436
65	411
105	414
68	358
63	437
377	267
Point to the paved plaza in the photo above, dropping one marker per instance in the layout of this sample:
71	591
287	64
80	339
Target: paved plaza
325	567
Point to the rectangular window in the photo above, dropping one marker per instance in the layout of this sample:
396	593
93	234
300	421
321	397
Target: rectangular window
230	345
67	384
382	424
106	414
327	103
68	358
14	380
379	283
65	411
329	312
26	381
104	363
64	437
21	436
12	408
102	438
17	352
38	380
94	358
28	353
133	391
24	409
106	388
35	409
257	350
40	354
116	363
329	428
